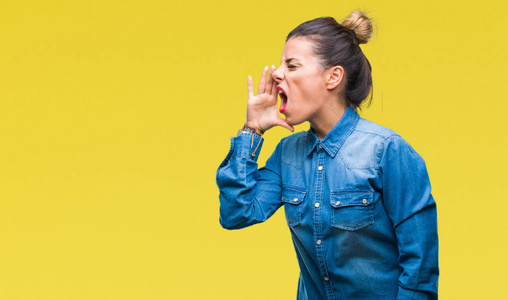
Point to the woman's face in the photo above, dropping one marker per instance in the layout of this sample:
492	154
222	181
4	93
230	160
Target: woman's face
301	82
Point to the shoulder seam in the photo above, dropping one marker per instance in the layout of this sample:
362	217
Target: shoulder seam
383	136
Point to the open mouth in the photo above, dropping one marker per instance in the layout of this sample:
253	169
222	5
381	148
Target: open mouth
283	99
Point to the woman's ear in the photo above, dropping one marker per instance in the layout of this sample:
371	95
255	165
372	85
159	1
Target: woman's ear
334	77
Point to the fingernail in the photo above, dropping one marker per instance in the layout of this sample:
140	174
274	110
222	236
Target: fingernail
250	78
266	67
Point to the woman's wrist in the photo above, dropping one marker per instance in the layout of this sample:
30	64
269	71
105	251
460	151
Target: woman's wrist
252	129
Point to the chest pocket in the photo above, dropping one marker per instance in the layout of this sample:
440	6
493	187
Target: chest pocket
293	199
352	210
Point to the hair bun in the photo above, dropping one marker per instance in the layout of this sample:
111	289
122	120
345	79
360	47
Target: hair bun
360	24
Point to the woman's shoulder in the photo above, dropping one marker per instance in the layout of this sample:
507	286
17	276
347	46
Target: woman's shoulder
368	134
383	138
367	127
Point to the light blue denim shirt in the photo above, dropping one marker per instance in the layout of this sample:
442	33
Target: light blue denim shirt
358	205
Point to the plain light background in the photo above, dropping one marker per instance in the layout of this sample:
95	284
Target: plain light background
115	116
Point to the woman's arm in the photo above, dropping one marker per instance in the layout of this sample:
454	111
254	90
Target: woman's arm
412	210
248	195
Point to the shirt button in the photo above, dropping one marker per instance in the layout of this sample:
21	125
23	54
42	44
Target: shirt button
364	201
316	204
295	200
337	203
326	278
318	242
320	146
320	168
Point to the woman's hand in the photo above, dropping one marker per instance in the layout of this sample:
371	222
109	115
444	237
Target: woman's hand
262	111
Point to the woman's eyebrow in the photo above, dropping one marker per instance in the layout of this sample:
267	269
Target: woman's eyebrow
290	59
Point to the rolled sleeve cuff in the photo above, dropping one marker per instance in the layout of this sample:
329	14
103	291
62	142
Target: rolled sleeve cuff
247	145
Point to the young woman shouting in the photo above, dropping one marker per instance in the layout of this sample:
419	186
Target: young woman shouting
357	197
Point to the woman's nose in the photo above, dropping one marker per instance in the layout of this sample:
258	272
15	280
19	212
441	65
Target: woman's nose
278	74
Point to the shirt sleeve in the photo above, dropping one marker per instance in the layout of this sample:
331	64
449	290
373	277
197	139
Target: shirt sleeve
248	195
412	210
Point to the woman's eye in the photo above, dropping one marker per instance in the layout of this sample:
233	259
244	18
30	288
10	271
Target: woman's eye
291	67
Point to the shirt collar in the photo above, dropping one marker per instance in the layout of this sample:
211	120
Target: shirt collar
337	136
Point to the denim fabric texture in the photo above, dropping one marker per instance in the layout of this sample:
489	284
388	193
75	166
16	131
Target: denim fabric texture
358	205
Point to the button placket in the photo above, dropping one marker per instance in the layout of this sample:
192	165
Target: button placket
317	212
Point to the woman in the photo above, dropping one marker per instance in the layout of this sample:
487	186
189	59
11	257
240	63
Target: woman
356	195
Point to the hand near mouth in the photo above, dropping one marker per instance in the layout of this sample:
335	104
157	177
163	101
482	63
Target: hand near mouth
262	113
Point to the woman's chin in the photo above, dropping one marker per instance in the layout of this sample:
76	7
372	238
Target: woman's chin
292	121
288	119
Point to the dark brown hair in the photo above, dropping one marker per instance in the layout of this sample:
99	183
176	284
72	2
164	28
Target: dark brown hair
339	45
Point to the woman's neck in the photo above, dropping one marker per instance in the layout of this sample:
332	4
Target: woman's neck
326	120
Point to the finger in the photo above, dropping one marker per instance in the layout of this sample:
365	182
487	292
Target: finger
275	91
283	123
269	83
250	89
262	82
